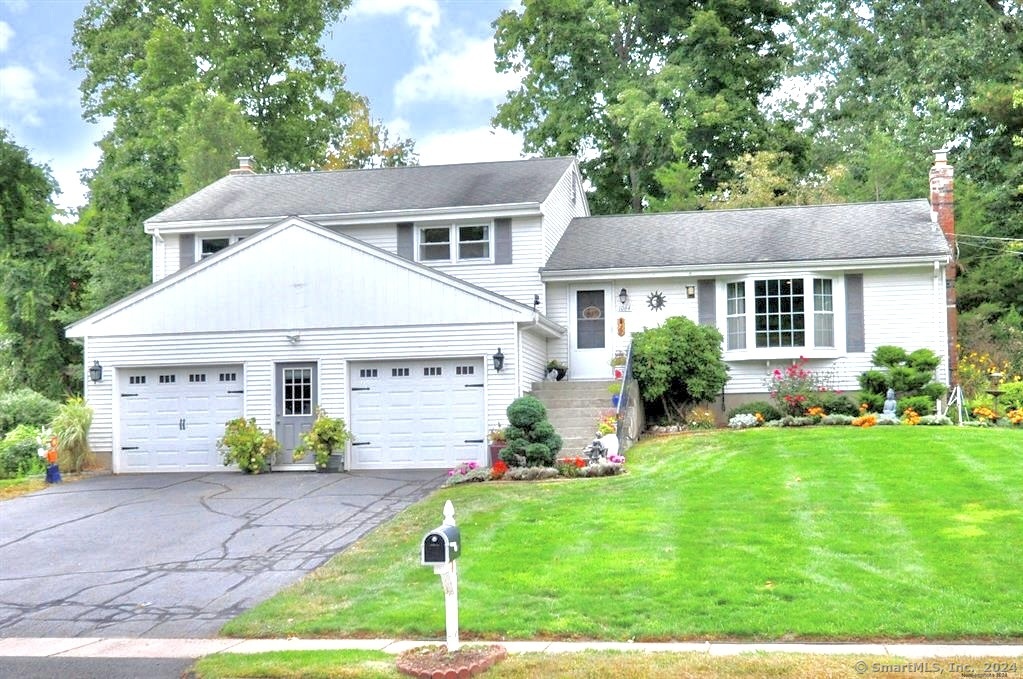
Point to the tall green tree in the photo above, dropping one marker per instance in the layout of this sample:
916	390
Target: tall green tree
189	85
36	279
631	87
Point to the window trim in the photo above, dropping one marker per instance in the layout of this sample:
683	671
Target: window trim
232	238
454	243
809	347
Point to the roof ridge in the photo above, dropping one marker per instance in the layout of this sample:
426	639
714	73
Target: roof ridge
755	209
353	170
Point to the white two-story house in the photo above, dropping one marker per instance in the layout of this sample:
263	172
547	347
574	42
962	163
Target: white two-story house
418	302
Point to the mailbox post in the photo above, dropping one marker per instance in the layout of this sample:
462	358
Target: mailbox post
440	549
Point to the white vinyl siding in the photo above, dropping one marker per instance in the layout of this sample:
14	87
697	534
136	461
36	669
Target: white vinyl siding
902	307
565	202
533	353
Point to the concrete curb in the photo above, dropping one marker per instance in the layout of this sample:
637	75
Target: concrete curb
92	647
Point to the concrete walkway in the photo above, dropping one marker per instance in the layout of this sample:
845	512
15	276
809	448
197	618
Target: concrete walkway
82	647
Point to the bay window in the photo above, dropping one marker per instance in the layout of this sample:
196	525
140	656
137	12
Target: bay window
778	313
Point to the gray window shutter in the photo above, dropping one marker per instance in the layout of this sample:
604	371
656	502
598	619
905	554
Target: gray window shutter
502	241
706	302
186	250
855	338
405	245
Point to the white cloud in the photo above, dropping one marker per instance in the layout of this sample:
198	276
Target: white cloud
465	74
422	15
475	145
6	33
19	95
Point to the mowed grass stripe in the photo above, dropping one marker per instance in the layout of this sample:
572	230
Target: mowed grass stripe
829	532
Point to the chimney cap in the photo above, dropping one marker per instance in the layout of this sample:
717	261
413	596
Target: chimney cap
941	155
244	166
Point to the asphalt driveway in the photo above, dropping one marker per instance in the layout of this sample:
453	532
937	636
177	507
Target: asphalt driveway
178	555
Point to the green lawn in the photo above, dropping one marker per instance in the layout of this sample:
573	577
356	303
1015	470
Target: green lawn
830	532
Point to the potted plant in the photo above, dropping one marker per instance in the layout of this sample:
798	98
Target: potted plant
498	440
615	389
247	446
618	365
558	367
326	440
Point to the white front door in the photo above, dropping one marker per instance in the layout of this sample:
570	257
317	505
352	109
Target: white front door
172	417
590	355
417	414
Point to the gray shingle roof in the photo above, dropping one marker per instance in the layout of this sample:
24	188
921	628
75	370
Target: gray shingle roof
353	191
761	235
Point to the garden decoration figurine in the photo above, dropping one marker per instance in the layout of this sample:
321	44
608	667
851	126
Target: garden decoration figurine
889	406
50	455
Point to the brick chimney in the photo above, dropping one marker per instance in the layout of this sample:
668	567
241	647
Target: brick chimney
943	213
244	166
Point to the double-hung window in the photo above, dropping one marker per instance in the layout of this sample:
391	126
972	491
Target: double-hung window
455	243
778	313
210	245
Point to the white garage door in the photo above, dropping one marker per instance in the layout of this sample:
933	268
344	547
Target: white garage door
171	418
417	414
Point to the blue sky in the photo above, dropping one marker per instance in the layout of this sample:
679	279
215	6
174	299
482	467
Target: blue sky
425	65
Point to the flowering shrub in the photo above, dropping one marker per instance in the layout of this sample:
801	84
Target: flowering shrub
865	421
463	468
1015	416
791	388
985	414
615	458
608	423
910	417
815	412
701	419
498	470
743	421
977	370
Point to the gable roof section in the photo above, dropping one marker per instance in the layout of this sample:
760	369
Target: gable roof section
812	233
299	275
425	187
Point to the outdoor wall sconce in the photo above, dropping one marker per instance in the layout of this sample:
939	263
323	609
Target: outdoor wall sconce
690	291
623	297
536	302
498	360
293	339
96	372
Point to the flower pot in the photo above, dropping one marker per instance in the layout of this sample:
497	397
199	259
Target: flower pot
617	371
495	451
335	463
561	373
615	398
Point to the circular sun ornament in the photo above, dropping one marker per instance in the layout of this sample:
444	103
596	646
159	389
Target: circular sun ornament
655	300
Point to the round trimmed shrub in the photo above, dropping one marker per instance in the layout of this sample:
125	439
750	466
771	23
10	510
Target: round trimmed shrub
767	410
532	440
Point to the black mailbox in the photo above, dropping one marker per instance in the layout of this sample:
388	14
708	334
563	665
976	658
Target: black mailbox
441	545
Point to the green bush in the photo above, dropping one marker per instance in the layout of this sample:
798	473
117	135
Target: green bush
837	420
934	390
19	452
875	402
246	445
923	405
923	359
888	356
874	381
1012	395
903	379
833	403
767	410
71	427
25	406
532	441
678	365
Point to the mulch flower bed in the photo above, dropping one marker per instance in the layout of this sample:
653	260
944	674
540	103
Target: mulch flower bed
435	662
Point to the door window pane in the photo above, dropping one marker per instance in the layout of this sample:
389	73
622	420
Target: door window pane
590	321
298	391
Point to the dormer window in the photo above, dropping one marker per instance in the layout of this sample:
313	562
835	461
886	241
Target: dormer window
454	243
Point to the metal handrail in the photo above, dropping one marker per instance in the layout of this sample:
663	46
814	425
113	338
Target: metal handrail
623	397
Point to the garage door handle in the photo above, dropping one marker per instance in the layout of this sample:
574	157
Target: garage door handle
475	385
473	441
124	395
360	388
362	443
181	424
129	447
236	391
